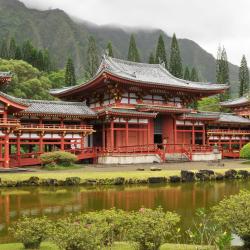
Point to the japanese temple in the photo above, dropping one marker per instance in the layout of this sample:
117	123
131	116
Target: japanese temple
127	113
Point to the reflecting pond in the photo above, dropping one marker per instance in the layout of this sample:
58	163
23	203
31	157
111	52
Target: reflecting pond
57	202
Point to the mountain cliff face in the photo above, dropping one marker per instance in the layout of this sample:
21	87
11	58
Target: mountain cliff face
64	37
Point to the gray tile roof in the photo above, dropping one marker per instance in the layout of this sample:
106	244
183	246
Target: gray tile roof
234	102
13	99
125	111
202	115
231	118
58	107
145	73
5	74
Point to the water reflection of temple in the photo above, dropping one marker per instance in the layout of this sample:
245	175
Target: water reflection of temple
57	202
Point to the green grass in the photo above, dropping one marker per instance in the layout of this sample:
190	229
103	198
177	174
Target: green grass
117	246
83	174
58	167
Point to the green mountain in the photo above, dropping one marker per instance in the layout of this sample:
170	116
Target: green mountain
65	36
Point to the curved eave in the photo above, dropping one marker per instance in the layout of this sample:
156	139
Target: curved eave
56	115
104	74
114	113
13	104
235	105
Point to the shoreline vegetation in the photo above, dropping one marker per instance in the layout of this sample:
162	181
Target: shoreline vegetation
62	178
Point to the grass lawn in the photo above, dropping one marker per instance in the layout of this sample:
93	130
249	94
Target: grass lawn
117	246
84	174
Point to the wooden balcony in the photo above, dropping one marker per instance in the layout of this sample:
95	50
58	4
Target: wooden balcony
228	132
5	122
56	128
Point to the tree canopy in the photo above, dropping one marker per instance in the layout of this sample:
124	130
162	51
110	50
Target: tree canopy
243	77
161	55
70	78
133	53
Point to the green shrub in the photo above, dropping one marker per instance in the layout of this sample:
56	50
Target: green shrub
233	213
245	151
151	228
73	234
61	158
31	231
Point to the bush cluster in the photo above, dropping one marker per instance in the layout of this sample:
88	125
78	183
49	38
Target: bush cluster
60	158
245	151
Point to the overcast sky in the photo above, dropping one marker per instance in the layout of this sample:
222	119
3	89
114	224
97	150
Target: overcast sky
208	22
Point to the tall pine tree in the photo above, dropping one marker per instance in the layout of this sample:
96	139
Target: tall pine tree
70	78
133	53
222	71
92	58
161	55
4	53
175	64
110	49
151	59
18	53
194	75
243	77
12	49
186	75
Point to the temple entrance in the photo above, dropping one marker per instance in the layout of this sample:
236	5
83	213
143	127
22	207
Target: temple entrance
158	130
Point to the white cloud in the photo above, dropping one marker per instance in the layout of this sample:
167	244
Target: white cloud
209	22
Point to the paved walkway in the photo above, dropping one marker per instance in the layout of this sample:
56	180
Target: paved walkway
224	164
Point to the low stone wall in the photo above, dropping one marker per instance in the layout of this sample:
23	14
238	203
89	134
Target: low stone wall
129	159
206	156
185	176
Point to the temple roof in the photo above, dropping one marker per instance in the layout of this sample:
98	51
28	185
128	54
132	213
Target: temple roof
236	102
58	108
51	107
216	117
143	73
126	112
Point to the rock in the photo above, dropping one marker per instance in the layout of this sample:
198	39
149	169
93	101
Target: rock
174	178
219	177
50	182
206	172
140	169
187	176
71	181
33	180
243	173
119	181
230	174
9	183
202	176
153	180
91	181
155	169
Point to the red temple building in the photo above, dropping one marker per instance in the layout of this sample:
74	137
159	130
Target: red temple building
127	113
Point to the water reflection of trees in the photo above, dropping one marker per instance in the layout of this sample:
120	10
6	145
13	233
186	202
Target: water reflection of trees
59	201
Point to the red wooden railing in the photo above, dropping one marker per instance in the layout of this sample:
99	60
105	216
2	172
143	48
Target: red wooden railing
56	126
9	121
228	131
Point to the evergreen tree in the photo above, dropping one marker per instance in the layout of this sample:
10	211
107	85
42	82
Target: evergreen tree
47	65
92	58
12	49
161	56
194	75
133	53
243	77
27	51
151	59
18	53
70	78
222	71
4	49
186	74
175	64
110	49
40	60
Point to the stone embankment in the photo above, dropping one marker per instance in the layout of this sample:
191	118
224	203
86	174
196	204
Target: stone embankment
185	176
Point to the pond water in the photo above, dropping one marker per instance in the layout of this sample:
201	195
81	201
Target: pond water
60	201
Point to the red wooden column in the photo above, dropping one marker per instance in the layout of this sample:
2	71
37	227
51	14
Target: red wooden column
18	145
62	140
203	135
6	150
148	134
126	133
230	143
175	131
41	142
112	133
103	135
193	135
